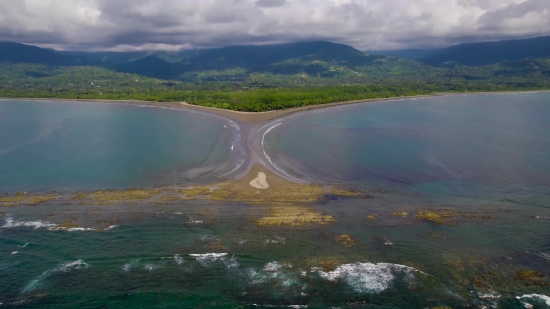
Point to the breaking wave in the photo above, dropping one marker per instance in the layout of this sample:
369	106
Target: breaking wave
11	223
209	259
537	298
368	277
65	267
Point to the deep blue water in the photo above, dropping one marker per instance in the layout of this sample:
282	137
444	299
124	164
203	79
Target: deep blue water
69	146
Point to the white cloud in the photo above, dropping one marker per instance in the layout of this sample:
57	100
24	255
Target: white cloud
365	24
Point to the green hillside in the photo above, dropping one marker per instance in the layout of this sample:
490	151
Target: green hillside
479	54
250	78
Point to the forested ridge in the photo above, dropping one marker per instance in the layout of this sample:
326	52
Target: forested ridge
277	77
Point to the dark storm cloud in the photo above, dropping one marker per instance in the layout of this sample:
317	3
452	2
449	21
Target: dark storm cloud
173	24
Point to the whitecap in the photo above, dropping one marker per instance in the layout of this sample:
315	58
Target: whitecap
178	259
368	277
191	221
231	263
208	259
538	297
11	223
65	267
490	296
14	253
280	280
129	266
153	267
80	229
275	240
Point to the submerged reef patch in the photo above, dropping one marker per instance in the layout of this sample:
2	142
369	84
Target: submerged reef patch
279	193
113	197
294	216
23	198
345	240
441	217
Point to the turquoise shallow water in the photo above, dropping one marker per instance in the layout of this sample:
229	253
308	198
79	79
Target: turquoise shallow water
482	158
83	146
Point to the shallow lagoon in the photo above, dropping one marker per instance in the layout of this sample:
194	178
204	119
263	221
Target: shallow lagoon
471	146
438	241
68	146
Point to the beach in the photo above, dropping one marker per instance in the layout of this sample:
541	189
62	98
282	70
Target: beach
261	117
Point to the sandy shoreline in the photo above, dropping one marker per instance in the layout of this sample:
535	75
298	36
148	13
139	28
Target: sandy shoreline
254	126
261	117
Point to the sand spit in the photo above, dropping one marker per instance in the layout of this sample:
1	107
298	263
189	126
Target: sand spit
260	182
294	216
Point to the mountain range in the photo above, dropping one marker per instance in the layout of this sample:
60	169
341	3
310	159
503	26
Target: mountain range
295	64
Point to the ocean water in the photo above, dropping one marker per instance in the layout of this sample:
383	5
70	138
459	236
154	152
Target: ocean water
493	146
69	146
480	160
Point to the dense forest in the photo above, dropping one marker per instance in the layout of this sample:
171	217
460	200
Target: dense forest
251	78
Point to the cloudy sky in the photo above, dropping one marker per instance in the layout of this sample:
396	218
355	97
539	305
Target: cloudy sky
175	24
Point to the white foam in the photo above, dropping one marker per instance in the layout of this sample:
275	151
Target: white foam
540	297
231	263
153	267
276	240
191	221
272	267
65	267
11	223
281	281
129	266
208	258
80	229
367	277
14	253
490	296
78	264
178	259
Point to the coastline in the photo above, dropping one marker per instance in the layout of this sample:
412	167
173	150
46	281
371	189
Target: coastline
253	126
262	117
